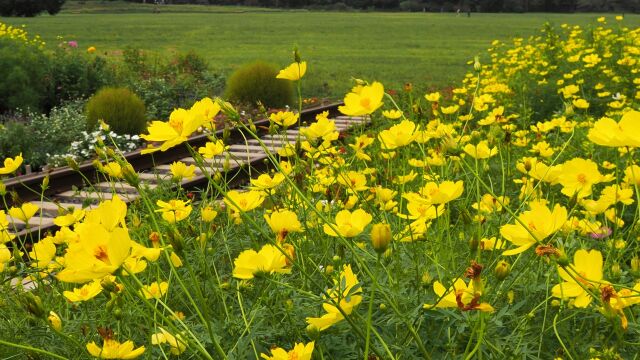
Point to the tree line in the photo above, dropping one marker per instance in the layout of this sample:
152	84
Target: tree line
632	6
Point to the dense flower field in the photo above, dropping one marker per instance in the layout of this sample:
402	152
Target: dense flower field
498	219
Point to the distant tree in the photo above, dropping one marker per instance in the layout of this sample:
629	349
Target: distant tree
29	8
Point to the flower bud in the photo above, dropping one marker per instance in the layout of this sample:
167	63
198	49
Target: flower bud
503	268
130	175
476	64
563	260
426	278
55	321
33	304
312	332
71	162
3	189
45	182
380	237
616	271
635	266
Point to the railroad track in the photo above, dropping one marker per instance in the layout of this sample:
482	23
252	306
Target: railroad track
68	187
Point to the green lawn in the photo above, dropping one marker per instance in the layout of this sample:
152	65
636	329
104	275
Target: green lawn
427	49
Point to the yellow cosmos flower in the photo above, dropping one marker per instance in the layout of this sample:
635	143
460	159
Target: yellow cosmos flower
363	100
284	118
24	212
460	295
347	293
489	204
632	175
580	103
11	165
208	214
5	256
480	151
155	290
207	108
182	123
323	128
42	253
84	293
348	224
353	181
433	97
174	210
266	182
54	320
282	223
112	349
91	49
243	201
97	253
539	170
269	260
578	177
69	219
443	192
585	272
398	135
543	148
448	110
177	344
392	114
180	170
607	132
533	226
211	149
299	352
293	72
112	169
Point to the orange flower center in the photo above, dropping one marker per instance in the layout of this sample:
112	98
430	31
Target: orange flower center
582	178
176	125
365	103
101	254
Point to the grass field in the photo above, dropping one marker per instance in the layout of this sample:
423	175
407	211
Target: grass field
427	49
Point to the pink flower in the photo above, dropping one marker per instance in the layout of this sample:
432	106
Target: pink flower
72	43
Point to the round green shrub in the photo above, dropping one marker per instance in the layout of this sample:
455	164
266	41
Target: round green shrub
120	108
257	82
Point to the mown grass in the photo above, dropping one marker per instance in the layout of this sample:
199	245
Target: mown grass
430	50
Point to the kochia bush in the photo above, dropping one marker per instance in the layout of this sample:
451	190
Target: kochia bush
120	108
256	82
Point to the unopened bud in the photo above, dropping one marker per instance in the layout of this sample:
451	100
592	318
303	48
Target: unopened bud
312	332
71	162
426	278
380	237
45	182
616	271
503	268
296	55
33	304
131	176
55	321
3	189
176	241
635	266
476	64
562	259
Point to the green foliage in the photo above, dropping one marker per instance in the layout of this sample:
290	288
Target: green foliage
39	137
22	75
257	82
73	74
164	84
120	108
